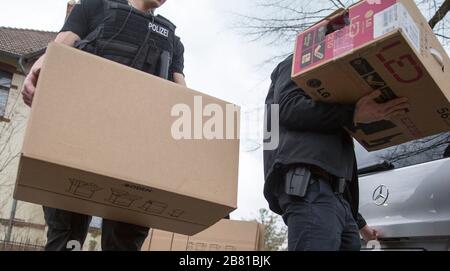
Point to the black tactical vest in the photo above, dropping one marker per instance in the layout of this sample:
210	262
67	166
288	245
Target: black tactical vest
133	38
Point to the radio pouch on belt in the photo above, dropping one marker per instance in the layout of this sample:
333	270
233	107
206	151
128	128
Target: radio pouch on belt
297	181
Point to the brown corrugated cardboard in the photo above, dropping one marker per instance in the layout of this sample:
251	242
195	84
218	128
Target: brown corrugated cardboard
163	240
388	46
226	235
99	142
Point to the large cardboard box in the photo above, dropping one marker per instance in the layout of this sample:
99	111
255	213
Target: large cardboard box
382	45
99	142
226	235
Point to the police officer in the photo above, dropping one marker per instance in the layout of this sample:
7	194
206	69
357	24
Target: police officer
129	33
311	178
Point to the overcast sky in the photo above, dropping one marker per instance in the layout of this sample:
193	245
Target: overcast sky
218	61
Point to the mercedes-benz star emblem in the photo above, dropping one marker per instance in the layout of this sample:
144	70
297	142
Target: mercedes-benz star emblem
380	195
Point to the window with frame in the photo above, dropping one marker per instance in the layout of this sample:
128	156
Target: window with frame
5	85
412	153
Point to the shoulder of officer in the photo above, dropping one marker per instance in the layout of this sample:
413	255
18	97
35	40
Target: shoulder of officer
166	21
93	6
91	3
283	68
287	62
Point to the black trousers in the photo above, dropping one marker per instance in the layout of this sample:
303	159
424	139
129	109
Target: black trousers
67	230
320	221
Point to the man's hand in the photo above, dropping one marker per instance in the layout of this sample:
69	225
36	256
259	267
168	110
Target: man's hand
179	79
29	85
368	111
368	234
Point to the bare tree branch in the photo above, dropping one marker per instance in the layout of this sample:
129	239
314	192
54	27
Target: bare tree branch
8	161
9	145
442	36
277	23
440	14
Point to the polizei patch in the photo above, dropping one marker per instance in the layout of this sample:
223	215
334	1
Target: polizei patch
158	29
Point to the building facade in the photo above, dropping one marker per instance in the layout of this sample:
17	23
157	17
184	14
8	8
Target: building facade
22	225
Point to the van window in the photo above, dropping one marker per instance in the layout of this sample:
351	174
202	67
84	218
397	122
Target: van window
411	153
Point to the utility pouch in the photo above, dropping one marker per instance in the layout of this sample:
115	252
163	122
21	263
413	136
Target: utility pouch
341	182
297	181
164	65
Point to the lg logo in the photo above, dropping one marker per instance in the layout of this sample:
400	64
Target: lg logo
317	85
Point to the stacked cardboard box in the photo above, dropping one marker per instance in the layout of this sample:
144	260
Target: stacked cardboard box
227	235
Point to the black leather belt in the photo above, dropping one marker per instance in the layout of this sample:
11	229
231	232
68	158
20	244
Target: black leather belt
321	173
337	184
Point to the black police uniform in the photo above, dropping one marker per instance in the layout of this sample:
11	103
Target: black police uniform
116	31
311	178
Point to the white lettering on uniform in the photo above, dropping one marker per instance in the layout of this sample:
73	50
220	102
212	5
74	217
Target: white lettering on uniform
159	29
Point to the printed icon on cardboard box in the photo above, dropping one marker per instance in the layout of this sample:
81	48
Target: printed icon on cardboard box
308	40
374	127
156	207
306	58
176	213
319	51
375	81
122	198
82	189
386	95
361	66
320	34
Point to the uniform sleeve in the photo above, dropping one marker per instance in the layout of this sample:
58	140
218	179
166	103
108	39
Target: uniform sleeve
77	22
360	221
178	57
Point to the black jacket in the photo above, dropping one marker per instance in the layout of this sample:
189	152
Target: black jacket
310	133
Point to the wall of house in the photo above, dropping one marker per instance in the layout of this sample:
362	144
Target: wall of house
29	225
29	217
